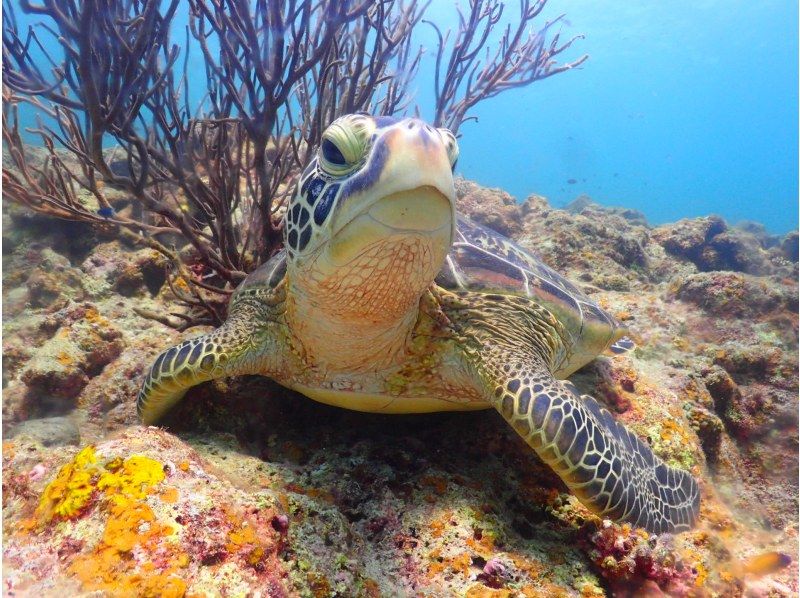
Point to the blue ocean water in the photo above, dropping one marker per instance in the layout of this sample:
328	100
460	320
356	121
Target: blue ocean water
683	109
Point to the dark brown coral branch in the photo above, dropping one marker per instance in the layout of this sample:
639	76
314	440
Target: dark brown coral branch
522	56
116	112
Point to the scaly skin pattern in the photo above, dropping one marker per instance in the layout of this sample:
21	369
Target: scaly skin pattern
237	348
350	315
513	345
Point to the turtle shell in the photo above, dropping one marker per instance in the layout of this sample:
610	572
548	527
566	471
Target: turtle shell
482	260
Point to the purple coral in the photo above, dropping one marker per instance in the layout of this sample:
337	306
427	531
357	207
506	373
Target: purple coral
280	523
494	567
632	556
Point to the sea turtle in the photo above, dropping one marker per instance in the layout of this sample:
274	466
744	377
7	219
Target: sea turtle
385	300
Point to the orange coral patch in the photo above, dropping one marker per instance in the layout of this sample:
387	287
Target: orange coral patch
170	495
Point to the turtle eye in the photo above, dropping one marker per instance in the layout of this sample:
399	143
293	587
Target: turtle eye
451	145
344	145
331	153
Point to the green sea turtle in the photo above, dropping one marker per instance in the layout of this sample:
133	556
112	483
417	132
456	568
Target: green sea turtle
385	300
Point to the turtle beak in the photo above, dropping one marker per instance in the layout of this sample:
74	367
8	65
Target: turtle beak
424	209
423	212
412	183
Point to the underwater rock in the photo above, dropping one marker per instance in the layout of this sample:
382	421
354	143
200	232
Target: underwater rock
752	362
490	207
16	353
752	390
606	245
125	271
140	514
789	246
16	407
535	206
53	279
14	301
107	396
83	343
583	204
48	431
734	295
147	270
737	250
721	387
711	245
760	410
709	429
577	205
689	237
24	230
14	236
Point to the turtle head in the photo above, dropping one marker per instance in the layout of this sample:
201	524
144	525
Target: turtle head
374	209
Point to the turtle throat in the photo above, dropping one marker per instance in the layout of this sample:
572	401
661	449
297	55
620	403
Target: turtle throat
354	306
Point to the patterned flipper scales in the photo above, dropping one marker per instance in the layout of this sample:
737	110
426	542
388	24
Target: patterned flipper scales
608	468
235	348
514	344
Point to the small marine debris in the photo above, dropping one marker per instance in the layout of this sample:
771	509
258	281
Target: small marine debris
572	181
106	212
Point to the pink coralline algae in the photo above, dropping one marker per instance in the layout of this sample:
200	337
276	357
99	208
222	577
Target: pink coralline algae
631	556
37	472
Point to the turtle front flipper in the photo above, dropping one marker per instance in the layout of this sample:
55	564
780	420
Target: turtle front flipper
512	348
240	346
606	466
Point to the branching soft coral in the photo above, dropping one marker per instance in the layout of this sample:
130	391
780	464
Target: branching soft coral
216	172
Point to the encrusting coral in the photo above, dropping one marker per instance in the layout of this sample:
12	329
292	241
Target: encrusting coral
72	490
113	519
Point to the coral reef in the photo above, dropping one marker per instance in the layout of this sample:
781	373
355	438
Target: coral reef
257	489
735	295
624	555
711	245
490	207
126	272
